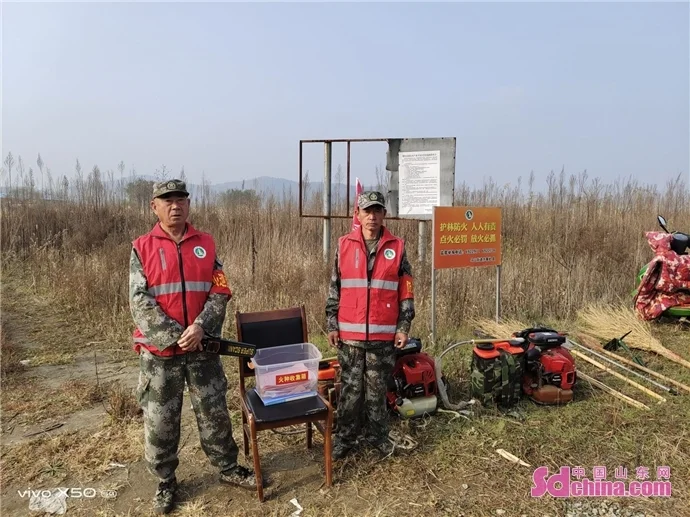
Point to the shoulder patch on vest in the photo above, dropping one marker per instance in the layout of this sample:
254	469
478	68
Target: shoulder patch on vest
389	254
219	279
199	252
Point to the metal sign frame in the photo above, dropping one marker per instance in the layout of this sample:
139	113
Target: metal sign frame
393	144
327	172
444	145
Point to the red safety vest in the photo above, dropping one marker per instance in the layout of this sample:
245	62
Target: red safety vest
179	276
369	305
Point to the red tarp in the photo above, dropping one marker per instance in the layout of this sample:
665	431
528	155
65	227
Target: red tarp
666	283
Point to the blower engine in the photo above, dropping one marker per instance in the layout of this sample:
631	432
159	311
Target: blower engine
412	387
550	372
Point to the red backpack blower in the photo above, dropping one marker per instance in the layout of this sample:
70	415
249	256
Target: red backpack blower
550	372
532	362
412	386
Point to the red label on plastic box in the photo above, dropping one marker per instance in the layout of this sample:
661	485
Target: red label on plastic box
293	377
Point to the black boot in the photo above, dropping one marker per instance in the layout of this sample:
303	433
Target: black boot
164	500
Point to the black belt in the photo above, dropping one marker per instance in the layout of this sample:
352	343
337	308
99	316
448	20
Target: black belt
227	347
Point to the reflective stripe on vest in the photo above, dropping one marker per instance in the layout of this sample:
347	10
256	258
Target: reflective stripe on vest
176	287
373	329
375	284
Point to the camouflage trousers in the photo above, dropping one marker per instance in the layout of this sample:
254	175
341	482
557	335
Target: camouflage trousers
160	393
362	401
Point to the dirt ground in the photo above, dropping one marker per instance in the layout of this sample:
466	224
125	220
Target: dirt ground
67	422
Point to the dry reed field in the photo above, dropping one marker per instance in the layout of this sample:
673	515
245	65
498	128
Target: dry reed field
568	243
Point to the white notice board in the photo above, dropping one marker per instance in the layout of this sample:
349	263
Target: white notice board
419	182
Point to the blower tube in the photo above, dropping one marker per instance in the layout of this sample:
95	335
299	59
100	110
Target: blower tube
439	382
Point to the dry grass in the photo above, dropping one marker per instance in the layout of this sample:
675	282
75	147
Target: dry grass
606	323
10	357
454	471
575	243
83	455
35	402
499	329
122	405
579	242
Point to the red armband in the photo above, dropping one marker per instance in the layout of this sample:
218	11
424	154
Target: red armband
406	287
219	283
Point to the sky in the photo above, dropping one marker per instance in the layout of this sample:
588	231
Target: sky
227	90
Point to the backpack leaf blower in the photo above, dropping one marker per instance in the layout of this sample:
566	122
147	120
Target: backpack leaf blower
534	362
550	372
412	385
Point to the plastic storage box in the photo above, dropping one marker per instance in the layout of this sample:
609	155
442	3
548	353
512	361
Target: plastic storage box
286	372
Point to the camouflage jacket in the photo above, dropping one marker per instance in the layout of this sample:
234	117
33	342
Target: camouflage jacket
159	328
406	311
666	283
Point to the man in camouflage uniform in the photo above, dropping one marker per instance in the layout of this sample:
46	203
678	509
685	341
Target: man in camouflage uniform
178	293
367	361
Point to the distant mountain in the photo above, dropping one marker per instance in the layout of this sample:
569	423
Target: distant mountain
263	185
267	185
279	186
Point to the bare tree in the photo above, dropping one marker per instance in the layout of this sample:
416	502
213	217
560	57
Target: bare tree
162	173
110	186
381	179
80	182
30	183
95	186
305	187
338	181
121	168
205	192
20	170
139	193
39	162
64	188
49	176
9	163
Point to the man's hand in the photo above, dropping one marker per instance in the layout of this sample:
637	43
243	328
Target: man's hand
400	339
190	339
334	339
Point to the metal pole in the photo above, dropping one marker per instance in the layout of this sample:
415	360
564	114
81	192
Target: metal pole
433	280
498	293
327	202
421	245
300	178
347	210
433	305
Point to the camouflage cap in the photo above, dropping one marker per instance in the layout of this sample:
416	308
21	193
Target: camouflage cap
371	198
168	187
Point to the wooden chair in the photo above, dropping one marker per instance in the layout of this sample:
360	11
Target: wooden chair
268	329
